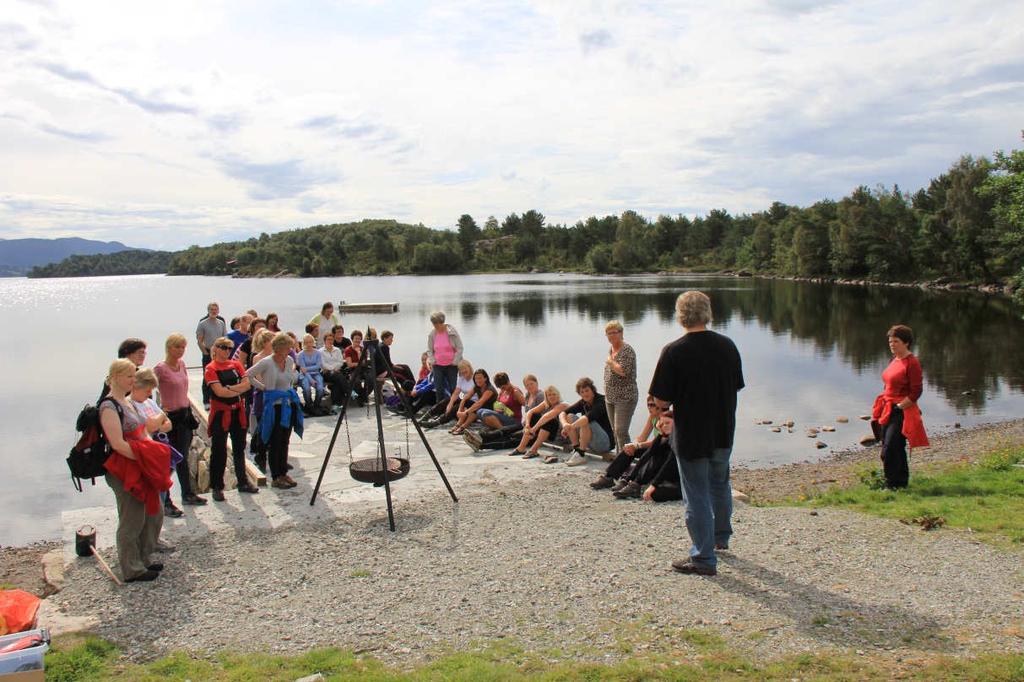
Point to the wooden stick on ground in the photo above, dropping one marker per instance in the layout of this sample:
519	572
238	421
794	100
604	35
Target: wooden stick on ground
104	565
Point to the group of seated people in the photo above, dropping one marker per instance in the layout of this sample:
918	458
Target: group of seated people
494	415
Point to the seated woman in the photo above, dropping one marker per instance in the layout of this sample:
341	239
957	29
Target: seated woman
585	423
424	367
508	435
138	519
332	363
625	459
358	378
446	410
309	365
542	425
483	394
507	409
276	375
655	474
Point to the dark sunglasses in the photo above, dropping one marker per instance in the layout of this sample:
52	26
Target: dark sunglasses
223	346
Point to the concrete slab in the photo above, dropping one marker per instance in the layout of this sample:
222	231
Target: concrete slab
339	494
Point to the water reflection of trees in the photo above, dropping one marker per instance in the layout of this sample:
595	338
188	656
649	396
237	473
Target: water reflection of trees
967	342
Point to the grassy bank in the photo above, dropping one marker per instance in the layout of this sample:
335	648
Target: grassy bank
89	658
984	496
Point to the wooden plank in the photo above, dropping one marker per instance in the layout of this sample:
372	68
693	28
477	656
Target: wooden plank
385	308
255	476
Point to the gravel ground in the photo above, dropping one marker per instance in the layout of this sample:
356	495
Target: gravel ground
841	469
554	565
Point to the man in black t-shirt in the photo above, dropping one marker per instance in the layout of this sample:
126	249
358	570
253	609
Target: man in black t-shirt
699	375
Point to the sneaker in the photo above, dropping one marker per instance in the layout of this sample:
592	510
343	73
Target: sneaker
280	482
247	488
193	500
218	495
289	480
631	489
687	566
473	440
172	511
576	460
144	577
602	482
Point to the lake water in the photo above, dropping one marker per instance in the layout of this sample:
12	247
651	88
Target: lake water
811	352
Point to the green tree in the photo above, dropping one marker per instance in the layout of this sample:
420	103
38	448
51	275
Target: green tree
469	232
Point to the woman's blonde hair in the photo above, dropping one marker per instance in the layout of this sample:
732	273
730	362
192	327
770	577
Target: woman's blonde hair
282	340
552	389
310	338
145	378
613	326
466	365
119	367
261	339
174	340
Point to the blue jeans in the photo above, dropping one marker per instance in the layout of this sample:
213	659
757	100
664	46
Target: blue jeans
501	416
708	504
445	378
316	380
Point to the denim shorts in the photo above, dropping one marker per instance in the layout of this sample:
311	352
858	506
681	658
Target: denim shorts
502	417
599	440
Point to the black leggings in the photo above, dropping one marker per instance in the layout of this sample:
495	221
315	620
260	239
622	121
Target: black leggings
180	436
219	449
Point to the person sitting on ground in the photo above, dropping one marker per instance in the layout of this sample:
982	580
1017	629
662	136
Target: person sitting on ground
507	436
340	340
424	367
507	410
359	382
308	362
446	410
272	322
332	364
314	331
585	423
654	475
483	394
541	425
325	322
626	457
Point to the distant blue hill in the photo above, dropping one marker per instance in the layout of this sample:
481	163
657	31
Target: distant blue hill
18	256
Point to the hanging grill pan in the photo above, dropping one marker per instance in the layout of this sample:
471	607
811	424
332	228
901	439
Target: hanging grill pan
369	470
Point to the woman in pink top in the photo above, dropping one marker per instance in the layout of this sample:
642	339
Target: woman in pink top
507	409
444	352
172	380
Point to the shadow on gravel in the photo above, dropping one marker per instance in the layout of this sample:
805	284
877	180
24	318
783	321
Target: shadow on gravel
829	616
377	524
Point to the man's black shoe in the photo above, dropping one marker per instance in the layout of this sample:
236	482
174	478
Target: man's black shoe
156	566
143	577
172	511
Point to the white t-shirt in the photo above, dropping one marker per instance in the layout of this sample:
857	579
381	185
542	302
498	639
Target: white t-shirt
464	386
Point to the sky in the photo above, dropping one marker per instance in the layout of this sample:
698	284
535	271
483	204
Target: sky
169	124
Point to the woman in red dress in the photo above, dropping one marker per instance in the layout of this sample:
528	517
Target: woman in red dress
895	412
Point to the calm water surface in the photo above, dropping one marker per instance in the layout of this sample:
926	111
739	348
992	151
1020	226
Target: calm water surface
810	352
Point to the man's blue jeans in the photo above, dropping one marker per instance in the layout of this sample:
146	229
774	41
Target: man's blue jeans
708	504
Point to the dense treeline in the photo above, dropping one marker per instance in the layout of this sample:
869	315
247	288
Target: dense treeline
966	226
131	262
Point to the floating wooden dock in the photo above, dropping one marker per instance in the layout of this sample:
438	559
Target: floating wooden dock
386	308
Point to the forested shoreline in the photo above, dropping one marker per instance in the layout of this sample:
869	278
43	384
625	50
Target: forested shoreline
966	227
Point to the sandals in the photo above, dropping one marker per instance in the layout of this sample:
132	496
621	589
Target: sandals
457	431
550	459
530	455
516	453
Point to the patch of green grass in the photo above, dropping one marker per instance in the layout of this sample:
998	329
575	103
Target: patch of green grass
89	658
360	573
985	497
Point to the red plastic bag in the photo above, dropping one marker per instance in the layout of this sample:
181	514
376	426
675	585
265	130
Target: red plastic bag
17	611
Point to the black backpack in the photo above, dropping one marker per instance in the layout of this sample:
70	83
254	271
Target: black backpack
89	454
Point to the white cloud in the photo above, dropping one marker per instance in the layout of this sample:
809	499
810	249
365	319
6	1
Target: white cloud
163	125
